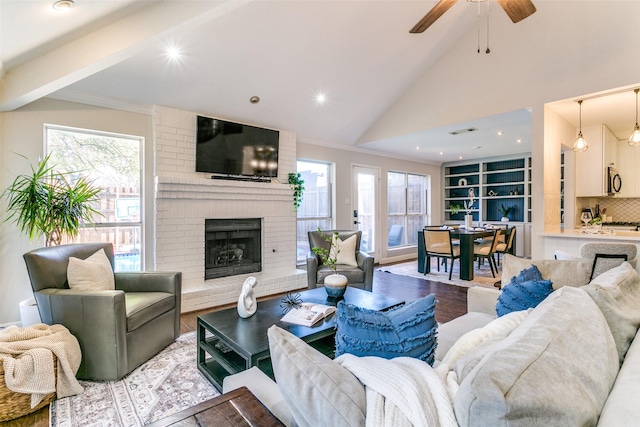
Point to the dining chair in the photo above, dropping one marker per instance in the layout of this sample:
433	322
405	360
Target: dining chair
437	242
506	243
454	241
486	251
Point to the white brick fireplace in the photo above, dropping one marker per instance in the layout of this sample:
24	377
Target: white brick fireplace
185	198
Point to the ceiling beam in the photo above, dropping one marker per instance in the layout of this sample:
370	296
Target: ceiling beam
104	48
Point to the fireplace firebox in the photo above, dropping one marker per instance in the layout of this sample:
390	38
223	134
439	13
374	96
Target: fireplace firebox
232	246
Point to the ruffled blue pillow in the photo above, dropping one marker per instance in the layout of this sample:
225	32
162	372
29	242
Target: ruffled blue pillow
528	274
406	331
524	291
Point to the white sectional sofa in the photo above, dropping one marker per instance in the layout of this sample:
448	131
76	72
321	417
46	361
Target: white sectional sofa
572	360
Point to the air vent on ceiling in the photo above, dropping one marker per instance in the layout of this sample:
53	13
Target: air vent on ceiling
458	132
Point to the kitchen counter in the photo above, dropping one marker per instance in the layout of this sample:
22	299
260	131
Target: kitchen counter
569	241
617	234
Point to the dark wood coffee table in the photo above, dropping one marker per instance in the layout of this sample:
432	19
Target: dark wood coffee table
228	344
236	408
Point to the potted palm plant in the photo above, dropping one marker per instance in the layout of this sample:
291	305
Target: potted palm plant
50	203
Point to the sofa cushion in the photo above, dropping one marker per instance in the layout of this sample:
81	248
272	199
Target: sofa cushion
617	294
93	273
622	407
353	274
517	296
561	273
545	372
142	307
495	330
449	333
318	390
409	330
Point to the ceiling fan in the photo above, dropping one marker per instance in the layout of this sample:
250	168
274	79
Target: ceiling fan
516	9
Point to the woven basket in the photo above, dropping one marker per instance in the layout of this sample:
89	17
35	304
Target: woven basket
14	405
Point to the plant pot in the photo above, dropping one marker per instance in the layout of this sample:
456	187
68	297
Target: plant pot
29	314
505	219
468	221
335	285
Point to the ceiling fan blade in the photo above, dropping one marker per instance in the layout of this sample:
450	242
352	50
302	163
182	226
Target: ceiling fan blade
436	12
518	9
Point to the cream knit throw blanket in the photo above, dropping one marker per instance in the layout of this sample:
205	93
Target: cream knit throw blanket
401	392
27	355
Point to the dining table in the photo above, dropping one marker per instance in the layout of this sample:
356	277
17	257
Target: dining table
467	238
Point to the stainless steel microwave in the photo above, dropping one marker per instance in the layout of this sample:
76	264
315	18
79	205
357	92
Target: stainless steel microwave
614	181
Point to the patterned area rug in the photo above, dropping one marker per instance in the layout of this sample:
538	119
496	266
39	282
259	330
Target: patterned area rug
481	277
166	384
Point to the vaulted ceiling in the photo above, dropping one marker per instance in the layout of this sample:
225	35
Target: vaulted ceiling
358	53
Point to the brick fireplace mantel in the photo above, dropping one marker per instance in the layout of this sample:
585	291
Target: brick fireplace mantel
213	189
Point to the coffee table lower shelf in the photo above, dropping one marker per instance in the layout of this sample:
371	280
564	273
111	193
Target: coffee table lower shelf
216	360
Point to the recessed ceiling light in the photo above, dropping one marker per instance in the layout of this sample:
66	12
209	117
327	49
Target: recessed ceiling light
441	153
500	132
460	157
519	141
321	98
477	147
417	148
254	99
173	52
63	5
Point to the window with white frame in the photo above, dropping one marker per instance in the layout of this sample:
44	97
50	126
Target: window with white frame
315	211
111	162
407	207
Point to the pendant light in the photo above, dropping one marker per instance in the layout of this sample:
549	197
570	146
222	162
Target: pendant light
634	139
581	143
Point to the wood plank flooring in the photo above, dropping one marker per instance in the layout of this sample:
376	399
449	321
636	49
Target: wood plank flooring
452	303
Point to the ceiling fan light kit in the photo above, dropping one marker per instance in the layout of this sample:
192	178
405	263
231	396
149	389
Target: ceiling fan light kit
581	143
634	139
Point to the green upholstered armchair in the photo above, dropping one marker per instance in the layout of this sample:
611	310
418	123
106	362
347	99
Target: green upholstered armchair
360	276
119	329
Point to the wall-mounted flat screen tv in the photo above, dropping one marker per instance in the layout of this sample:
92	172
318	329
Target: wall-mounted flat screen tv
233	149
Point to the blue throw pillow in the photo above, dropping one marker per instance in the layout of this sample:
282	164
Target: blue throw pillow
517	296
406	331
531	273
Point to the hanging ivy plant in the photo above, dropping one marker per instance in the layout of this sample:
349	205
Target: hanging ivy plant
297	185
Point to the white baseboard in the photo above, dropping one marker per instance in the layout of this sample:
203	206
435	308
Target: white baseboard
398	258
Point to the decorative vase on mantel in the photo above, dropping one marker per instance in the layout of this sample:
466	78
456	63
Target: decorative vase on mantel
468	221
335	285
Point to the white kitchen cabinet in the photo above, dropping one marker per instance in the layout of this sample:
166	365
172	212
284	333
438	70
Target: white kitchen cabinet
591	165
628	158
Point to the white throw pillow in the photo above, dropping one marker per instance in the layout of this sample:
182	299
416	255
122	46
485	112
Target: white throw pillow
91	274
319	390
347	250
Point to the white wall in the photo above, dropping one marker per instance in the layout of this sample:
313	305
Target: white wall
22	131
345	159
